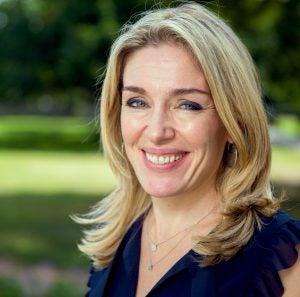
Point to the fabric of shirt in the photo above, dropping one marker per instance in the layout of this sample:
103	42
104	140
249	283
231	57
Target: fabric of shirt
252	272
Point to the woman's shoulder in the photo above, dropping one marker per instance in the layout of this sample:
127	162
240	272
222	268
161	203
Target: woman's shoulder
271	249
275	245
99	277
280	218
278	232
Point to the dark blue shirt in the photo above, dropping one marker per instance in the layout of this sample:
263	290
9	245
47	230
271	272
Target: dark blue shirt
253	272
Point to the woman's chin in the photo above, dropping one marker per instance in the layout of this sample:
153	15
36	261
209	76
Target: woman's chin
162	192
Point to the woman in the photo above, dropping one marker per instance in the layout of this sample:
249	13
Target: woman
185	133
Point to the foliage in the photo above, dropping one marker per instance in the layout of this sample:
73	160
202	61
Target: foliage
270	30
53	51
48	133
289	125
38	228
10	288
63	289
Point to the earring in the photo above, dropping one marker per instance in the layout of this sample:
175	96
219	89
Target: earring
231	155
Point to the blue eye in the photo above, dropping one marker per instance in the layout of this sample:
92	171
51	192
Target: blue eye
136	103
190	105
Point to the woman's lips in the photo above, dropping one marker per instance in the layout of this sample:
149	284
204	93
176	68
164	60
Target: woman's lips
163	159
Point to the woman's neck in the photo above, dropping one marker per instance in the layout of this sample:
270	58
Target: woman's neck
171	214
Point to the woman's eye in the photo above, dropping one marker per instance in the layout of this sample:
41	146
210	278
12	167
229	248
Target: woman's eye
136	103
190	105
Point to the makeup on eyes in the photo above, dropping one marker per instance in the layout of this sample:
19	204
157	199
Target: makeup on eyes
190	105
136	103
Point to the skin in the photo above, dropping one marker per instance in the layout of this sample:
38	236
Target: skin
167	109
290	278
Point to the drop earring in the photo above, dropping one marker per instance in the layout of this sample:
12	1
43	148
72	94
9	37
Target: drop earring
231	155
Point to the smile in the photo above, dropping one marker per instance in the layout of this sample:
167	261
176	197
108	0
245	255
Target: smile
165	159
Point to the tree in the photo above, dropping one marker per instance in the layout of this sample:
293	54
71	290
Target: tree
52	52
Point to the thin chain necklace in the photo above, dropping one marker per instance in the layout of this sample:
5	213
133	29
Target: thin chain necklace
151	264
154	246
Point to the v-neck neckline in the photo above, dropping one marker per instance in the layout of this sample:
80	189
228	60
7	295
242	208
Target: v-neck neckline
131	257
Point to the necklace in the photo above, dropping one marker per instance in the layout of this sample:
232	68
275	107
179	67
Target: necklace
153	246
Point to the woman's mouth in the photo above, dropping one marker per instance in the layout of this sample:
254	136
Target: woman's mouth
163	159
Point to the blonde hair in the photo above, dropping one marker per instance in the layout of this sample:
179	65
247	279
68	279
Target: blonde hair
235	89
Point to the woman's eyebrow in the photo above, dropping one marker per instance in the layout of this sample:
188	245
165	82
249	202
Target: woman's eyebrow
133	89
175	92
186	91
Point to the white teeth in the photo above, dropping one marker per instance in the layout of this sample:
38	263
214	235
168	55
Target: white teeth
160	160
154	159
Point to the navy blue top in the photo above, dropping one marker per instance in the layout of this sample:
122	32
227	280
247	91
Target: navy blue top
252	272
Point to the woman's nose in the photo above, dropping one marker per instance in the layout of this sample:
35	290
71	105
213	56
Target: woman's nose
160	127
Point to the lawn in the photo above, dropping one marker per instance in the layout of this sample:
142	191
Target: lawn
286	165
87	173
48	133
50	168
37	228
54	170
39	190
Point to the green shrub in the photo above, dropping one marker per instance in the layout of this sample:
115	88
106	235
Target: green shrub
48	133
10	288
63	289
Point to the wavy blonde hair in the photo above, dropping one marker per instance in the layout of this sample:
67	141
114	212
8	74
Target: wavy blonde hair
235	89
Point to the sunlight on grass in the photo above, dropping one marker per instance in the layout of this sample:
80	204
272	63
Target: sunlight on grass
37	227
42	189
54	172
288	124
88	173
286	165
23	243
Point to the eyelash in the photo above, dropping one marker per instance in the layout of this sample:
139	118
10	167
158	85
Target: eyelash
185	105
190	105
136	103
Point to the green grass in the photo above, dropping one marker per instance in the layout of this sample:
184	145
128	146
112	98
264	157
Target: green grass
48	133
52	173
29	172
38	228
39	191
286	165
50	169
288	124
11	287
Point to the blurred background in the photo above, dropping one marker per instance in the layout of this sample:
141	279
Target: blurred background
51	166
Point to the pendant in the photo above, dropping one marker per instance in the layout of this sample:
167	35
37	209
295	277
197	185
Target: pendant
150	267
153	247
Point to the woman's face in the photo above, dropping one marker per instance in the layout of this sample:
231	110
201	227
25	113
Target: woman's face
172	134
